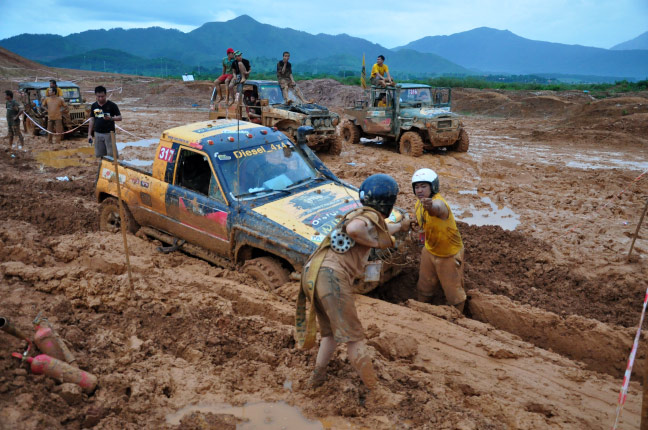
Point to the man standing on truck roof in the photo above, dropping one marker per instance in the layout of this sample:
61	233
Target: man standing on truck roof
380	73
286	80
14	110
54	104
54	86
327	282
241	69
103	114
226	76
442	256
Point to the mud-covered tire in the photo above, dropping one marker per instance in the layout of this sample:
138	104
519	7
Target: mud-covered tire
411	144
30	128
335	145
461	145
109	219
267	270
350	133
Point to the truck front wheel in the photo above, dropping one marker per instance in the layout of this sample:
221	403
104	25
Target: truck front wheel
411	144
267	270
461	145
109	219
335	145
350	133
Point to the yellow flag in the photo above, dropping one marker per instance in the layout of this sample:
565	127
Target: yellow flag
363	74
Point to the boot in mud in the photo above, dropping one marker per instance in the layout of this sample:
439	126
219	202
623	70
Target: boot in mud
317	378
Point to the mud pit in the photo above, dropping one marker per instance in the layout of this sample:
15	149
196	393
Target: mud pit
202	341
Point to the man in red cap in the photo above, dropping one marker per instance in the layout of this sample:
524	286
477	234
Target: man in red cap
226	76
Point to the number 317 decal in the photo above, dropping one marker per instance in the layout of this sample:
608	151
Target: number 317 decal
166	154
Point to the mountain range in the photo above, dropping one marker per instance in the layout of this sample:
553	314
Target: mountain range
479	51
639	42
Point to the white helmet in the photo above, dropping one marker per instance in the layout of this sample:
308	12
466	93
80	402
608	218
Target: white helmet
429	176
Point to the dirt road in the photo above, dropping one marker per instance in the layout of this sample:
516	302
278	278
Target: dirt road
554	303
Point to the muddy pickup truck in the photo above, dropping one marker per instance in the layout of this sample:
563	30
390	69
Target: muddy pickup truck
236	194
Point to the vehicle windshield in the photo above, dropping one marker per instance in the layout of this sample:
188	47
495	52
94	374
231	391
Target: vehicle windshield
272	93
264	169
69	94
416	97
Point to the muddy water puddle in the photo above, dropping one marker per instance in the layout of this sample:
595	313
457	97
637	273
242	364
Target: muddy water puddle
85	155
255	416
502	216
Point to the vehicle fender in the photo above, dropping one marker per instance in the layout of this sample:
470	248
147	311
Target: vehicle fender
250	244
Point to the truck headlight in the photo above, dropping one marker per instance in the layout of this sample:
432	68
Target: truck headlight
336	120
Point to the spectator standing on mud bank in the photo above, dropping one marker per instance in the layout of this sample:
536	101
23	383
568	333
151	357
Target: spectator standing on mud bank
380	73
327	281
103	114
442	262
54	104
14	110
226	76
286	80
241	69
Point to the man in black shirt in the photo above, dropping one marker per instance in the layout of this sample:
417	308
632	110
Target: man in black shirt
285	78
103	114
241	68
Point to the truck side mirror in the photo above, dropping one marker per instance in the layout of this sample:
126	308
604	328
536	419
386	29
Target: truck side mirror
302	133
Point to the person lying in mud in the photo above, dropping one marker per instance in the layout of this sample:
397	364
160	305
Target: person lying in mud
327	281
442	256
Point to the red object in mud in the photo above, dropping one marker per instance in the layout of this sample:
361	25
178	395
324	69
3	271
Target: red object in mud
46	365
47	343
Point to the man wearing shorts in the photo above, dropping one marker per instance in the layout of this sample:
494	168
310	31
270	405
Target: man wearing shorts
241	69
14	110
103	114
442	257
328	282
226	76
380	73
286	80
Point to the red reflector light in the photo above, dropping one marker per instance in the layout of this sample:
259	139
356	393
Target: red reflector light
211	142
264	132
196	145
231	139
249	135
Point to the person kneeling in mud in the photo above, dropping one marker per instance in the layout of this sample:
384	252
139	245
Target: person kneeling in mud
327	281
442	256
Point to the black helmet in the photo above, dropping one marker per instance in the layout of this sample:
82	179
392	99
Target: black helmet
379	192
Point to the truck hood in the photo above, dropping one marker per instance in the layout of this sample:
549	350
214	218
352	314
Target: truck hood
312	213
306	109
427	113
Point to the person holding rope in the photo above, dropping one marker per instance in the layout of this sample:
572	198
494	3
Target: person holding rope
442	256
103	114
327	282
14	110
54	105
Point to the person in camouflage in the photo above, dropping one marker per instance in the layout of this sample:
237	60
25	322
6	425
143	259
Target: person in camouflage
14	110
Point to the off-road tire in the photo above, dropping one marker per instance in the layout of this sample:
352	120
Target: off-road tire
30	128
350	133
109	219
335	145
411	144
461	145
267	270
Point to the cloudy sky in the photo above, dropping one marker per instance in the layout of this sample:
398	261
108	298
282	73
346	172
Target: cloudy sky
600	23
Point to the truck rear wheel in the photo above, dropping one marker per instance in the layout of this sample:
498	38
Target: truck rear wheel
411	144
335	145
267	270
109	219
350	133
461	145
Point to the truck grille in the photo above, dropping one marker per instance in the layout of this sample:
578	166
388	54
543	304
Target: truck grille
77	116
445	124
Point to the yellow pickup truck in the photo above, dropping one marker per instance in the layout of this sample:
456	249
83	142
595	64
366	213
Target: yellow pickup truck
233	193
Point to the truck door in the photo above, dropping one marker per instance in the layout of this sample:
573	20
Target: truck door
380	112
196	202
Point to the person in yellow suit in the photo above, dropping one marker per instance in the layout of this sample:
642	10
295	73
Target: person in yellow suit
380	73
442	262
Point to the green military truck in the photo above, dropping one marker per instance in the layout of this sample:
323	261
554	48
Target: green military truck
76	113
417	116
286	115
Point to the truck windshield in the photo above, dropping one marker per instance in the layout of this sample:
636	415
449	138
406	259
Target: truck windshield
263	169
416	97
272	93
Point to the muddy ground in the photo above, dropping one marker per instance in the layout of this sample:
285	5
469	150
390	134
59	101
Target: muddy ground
554	301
